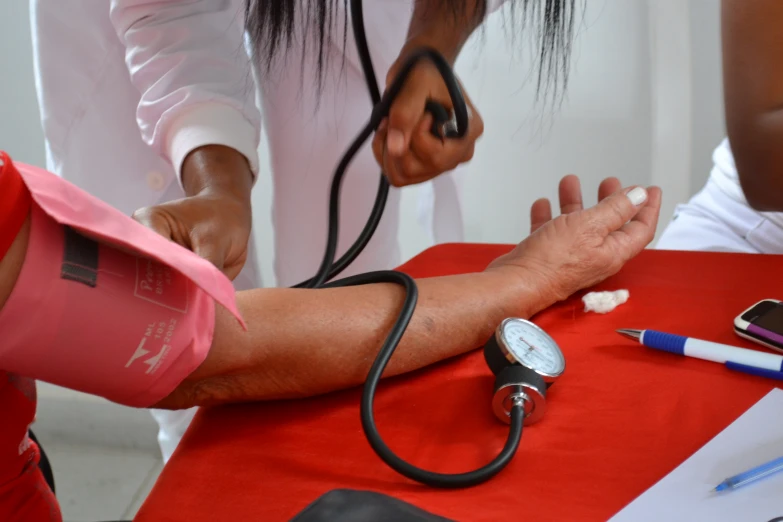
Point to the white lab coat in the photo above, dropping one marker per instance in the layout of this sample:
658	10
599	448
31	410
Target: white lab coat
128	88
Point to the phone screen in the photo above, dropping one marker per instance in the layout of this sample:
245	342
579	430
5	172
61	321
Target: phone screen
771	320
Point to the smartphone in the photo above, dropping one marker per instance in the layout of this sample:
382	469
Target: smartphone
762	323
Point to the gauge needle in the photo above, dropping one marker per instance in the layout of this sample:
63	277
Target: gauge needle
527	343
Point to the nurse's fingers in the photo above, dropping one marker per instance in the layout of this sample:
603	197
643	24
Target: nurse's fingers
407	108
427	157
418	169
157	221
570	193
161	221
442	155
212	250
540	214
378	142
392	167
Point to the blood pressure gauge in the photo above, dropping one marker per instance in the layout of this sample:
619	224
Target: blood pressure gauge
525	361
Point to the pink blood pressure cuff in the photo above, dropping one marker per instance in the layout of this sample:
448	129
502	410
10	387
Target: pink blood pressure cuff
113	322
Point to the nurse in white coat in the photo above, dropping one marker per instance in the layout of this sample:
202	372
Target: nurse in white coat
145	103
740	209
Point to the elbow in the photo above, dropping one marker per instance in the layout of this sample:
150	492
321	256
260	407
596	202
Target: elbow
758	156
763	203
763	189
182	398
759	172
192	393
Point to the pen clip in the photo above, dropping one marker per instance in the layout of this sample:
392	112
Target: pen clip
752	370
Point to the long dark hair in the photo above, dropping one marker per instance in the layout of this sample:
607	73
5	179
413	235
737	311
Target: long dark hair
271	27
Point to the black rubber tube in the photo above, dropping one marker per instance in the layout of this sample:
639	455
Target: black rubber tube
329	268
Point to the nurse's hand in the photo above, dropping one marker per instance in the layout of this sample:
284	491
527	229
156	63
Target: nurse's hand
215	220
582	247
403	145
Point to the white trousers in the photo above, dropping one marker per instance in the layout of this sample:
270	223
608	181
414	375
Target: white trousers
713	221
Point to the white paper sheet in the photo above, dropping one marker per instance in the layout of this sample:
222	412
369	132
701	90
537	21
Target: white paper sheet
684	495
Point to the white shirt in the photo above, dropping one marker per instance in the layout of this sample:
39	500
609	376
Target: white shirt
190	85
724	174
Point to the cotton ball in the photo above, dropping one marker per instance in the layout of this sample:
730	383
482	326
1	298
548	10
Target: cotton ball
604	302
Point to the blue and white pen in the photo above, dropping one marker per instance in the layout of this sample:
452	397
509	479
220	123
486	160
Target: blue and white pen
752	475
740	359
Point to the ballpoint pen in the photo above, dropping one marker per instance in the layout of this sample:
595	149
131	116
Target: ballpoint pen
752	475
753	362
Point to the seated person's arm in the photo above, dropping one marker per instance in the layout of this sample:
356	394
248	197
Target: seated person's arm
299	342
11	263
306	342
752	33
15	202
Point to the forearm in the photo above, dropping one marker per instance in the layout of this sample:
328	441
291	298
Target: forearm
290	351
445	25
753	95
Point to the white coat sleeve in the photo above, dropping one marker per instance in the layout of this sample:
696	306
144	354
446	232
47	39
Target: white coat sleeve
188	61
494	5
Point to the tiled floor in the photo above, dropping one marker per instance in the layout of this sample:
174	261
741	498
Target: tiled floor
105	457
98	483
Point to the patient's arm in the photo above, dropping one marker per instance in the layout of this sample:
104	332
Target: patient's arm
306	342
753	85
11	263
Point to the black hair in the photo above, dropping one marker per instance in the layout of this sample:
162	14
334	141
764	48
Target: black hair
271	26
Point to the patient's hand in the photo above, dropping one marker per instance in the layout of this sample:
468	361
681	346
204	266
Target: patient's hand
582	247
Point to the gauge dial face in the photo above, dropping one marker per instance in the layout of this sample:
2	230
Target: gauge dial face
532	347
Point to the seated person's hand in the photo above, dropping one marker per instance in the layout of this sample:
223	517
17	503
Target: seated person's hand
582	247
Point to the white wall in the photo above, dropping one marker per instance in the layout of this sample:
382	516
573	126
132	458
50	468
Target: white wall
707	86
644	103
602	129
20	128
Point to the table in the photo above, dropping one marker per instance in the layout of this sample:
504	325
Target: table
620	418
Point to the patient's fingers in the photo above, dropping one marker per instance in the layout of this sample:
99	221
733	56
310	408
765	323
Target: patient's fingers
540	214
570	192
640	231
650	212
608	187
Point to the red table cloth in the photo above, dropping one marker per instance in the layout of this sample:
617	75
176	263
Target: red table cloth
619	419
